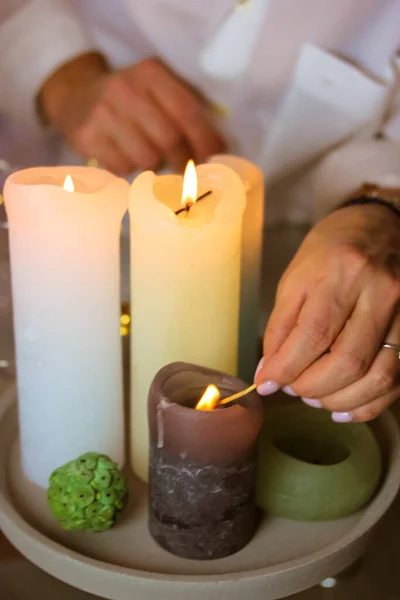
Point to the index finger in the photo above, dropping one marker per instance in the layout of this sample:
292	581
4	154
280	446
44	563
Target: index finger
321	319
188	113
282	321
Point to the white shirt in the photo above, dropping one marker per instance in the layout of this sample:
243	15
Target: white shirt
291	80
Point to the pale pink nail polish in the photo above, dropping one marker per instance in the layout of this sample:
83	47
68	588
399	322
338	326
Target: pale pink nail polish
313	402
259	367
342	417
288	390
267	388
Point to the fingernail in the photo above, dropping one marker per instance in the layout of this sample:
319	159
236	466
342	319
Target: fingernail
267	388
342	417
259	367
288	390
313	402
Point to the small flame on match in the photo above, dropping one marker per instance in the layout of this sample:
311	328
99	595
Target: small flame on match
209	399
69	184
189	189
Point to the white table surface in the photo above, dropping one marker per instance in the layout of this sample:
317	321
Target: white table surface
377	578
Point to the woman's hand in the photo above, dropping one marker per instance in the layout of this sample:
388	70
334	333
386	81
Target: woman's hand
336	304
136	118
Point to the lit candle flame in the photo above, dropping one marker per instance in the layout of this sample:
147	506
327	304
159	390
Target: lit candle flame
209	399
69	184
189	190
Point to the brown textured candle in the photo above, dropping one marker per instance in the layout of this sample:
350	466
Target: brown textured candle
202	464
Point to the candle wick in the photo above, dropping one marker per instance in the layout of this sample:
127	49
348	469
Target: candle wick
189	204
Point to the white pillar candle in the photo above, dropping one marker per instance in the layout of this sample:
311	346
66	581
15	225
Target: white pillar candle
185	277
250	331
64	250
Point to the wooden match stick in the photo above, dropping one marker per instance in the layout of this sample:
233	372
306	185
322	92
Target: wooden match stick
238	395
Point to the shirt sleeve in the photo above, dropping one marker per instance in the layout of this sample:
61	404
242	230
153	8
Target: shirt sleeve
36	37
343	171
391	128
376	161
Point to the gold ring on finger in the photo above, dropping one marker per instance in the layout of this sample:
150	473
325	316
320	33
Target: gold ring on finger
395	347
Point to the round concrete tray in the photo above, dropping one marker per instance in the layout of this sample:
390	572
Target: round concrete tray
284	558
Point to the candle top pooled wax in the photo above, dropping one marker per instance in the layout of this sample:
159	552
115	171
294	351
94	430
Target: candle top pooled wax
77	179
160	199
84	196
212	436
168	190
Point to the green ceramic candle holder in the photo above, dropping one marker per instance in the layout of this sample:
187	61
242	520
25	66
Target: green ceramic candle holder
312	469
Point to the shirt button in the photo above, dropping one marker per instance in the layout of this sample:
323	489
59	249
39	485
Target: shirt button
93	162
220	110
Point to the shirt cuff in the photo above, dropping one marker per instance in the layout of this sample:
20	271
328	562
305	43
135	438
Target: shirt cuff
343	171
34	42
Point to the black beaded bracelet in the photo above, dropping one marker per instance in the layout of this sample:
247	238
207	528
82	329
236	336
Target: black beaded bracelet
369	200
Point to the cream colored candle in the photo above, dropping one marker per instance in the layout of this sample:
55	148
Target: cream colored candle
64	249
250	329
185	277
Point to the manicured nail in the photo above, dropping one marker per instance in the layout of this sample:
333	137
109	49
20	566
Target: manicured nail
288	390
313	402
342	417
267	388
259	367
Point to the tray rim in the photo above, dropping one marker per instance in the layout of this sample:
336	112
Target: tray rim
10	518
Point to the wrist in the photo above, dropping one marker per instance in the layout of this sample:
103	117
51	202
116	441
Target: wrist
371	195
80	72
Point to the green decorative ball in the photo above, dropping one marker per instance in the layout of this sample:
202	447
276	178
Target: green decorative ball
87	494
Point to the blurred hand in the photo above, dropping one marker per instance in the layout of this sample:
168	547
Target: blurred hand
137	118
336	304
